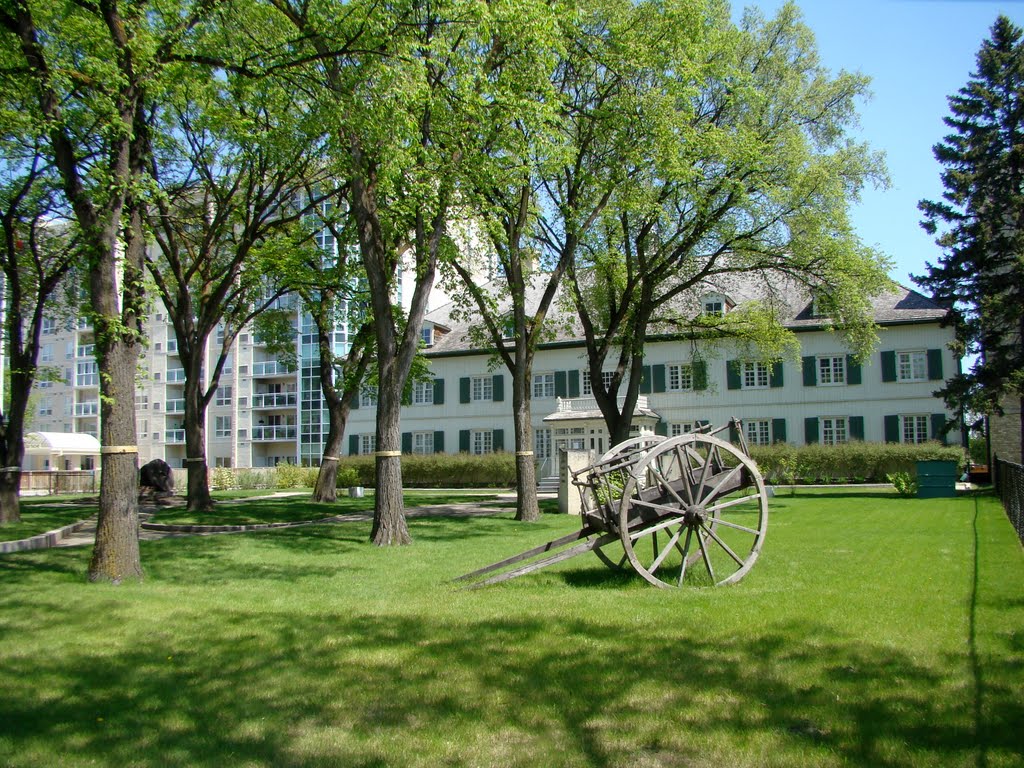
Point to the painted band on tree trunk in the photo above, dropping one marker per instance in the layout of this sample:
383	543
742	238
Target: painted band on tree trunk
108	449
524	453
388	454
330	458
194	458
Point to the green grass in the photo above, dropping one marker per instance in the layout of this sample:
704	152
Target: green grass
39	515
874	631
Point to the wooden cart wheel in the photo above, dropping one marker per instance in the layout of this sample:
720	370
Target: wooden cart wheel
694	512
631	450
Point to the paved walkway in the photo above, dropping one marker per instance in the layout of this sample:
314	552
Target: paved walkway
84	533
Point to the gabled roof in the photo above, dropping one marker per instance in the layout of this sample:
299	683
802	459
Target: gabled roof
792	300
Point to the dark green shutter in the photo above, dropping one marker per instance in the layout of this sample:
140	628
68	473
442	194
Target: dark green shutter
778	430
574	383
732	374
810	371
498	388
934	364
645	380
775	377
661	428
853	371
658	374
811	430
498	439
464	441
892	429
856	427
889	366
700	375
561	386
464	389
407	442
353	445
438	441
939	424
438	391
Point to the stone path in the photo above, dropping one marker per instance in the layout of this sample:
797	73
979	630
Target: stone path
84	532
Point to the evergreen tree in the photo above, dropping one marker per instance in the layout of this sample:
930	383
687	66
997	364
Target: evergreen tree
979	224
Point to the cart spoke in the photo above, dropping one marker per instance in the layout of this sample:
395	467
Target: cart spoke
706	555
736	526
724	546
673	543
686	551
732	503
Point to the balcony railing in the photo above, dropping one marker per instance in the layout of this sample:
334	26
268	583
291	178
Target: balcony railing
580	404
174	436
87	409
285	432
175	374
270	368
175	406
87	380
275	400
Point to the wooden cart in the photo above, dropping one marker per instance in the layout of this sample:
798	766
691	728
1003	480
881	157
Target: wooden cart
681	511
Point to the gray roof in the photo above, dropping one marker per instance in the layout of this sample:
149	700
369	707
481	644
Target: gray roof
793	302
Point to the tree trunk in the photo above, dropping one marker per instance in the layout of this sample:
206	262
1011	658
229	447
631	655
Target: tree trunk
527	509
115	556
10	486
326	488
389	526
199	499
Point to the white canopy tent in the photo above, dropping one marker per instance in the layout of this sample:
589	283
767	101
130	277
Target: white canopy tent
60	450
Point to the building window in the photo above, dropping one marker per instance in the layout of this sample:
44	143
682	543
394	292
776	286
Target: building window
367	399
755	376
222	426
48	326
87	374
427	336
832	370
367	444
914	429
45	407
46	353
912	366
759	431
481	441
606	378
543	385
422	442
482	388
834	431
680	378
223	396
680	428
423	393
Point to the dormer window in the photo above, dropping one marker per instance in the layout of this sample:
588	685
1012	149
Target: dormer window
715	305
427	335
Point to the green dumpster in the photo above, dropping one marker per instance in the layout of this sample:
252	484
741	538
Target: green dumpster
936	479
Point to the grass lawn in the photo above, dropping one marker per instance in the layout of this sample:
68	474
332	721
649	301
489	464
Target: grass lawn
48	513
873	631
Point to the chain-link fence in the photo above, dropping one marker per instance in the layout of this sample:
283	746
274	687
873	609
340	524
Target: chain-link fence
1010	487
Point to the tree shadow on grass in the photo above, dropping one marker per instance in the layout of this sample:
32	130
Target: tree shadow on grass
274	687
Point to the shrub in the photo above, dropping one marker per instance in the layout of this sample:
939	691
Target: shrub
848	462
223	478
289	476
250	479
347	477
441	470
904	484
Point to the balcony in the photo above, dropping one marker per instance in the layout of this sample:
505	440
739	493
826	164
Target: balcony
87	380
175	406
174	436
175	375
270	368
268	434
87	409
275	400
85	351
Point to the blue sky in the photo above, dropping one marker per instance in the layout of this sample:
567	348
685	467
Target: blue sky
917	53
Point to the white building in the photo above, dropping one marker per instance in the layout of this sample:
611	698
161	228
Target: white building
264	414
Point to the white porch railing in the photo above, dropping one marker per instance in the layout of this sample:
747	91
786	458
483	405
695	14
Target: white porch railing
580	404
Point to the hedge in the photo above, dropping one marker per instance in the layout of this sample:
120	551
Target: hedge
853	462
442	470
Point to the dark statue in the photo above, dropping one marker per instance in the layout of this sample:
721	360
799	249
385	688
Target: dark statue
157	478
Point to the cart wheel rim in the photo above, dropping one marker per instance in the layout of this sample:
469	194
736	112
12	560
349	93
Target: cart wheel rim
694	512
